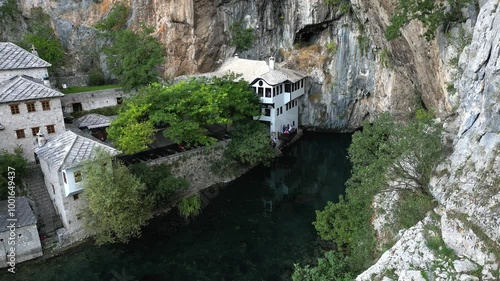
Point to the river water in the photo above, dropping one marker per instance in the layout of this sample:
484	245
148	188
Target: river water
256	228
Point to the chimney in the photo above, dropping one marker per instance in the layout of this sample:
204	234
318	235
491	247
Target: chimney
41	139
271	63
33	50
236	56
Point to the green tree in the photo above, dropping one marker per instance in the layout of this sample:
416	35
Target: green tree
134	57
332	267
116	19
241	37
117	206
403	154
42	36
18	163
250	144
185	109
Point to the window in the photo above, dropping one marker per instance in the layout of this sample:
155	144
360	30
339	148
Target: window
45	105
267	112
20	134
35	131
53	189
78	176
274	91
31	106
286	106
14	109
287	88
75	197
64	177
281	109
51	129
302	83
261	91
281	88
277	112
119	100
268	93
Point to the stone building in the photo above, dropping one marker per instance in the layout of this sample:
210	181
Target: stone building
27	242
92	100
14	61
28	107
61	158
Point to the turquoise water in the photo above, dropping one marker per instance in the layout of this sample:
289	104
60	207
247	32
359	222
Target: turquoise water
254	229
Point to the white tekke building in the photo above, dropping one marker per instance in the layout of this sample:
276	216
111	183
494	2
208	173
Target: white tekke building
61	158
279	89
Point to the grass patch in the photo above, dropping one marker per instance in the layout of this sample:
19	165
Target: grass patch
73	90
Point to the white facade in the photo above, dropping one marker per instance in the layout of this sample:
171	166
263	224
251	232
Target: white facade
68	206
280	103
27	122
92	100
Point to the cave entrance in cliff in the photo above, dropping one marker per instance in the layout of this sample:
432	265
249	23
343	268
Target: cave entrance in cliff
309	34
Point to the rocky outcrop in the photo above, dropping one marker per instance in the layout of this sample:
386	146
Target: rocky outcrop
467	182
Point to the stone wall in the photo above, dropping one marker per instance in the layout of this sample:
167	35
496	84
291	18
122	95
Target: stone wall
38	73
71	81
194	165
92	100
27	120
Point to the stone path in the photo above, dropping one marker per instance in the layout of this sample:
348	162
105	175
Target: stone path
48	219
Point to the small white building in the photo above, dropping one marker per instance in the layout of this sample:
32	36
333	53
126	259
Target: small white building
15	60
280	90
61	158
28	107
27	242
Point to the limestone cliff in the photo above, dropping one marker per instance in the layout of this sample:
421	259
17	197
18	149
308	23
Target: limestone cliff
467	183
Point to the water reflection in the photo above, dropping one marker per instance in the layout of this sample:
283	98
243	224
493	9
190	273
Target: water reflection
253	229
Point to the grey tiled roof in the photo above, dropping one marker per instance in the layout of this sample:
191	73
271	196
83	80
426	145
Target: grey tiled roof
15	57
23	214
277	76
92	121
20	88
249	69
69	150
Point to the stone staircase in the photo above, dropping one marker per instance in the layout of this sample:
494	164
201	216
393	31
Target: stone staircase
47	218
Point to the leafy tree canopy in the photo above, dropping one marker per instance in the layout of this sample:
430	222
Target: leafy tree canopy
185	108
42	36
250	144
117	206
384	151
332	267
134	57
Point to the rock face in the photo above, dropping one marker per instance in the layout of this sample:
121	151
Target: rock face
355	74
346	55
467	182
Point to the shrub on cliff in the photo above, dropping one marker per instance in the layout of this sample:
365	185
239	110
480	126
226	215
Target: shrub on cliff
17	165
430	13
241	37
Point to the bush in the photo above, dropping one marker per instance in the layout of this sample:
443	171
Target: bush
190	207
116	19
413	206
332	267
241	37
96	78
